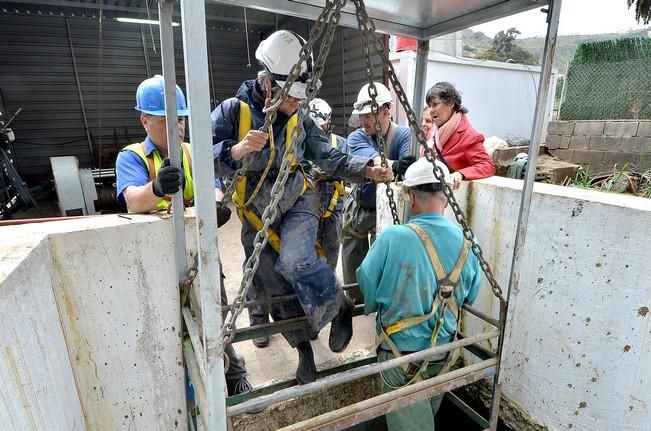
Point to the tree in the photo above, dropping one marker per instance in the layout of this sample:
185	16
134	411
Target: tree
642	10
503	48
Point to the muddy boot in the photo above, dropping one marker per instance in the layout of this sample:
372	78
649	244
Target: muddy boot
341	329
306	370
262	340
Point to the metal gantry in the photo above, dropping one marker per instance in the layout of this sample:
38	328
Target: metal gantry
202	350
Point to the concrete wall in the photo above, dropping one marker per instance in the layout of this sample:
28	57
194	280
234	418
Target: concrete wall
94	322
601	144
500	97
38	387
578	344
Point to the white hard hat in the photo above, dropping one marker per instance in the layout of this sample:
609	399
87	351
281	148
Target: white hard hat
278	53
320	111
363	103
422	172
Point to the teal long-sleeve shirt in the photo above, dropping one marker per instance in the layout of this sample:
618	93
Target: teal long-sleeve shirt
398	280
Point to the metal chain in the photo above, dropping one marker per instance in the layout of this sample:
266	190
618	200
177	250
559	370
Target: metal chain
330	15
369	28
375	108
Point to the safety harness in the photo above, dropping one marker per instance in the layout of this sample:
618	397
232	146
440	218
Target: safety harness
154	161
444	299
338	185
239	195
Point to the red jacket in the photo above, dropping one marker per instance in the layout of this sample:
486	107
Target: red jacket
464	152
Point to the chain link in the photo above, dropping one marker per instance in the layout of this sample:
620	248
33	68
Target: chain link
375	108
330	16
367	27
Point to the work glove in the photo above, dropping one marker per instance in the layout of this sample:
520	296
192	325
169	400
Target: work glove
167	181
399	167
223	214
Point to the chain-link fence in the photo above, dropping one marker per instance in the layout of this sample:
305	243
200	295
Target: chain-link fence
609	80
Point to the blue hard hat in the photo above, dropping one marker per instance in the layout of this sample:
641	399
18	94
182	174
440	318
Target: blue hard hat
150	98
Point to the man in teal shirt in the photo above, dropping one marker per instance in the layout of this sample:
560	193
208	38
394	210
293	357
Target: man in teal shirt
399	281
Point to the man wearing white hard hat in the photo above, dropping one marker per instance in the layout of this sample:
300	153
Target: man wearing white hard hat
360	205
289	264
414	274
329	191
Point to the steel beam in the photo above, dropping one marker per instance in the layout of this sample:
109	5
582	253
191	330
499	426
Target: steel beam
195	48
417	102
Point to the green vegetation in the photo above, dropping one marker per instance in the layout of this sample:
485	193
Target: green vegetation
504	48
623	179
475	43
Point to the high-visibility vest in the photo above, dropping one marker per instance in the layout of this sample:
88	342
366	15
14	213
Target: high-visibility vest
154	161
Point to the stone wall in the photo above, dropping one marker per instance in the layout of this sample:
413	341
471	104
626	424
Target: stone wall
601	144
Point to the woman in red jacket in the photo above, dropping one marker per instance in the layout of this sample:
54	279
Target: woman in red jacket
460	145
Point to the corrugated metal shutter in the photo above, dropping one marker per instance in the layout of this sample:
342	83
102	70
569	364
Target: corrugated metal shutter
36	73
344	76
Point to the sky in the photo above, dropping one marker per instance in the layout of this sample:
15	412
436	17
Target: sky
577	17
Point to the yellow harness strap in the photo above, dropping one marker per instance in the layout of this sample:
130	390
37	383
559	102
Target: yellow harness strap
239	195
338	185
443	300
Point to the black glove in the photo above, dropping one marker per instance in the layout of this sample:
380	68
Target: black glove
167	181
223	214
399	167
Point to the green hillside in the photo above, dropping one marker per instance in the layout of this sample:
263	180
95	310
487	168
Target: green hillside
476	42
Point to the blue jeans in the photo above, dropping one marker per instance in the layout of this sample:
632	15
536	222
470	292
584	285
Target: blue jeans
296	269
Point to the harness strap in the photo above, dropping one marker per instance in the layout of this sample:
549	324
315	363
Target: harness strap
391	134
239	195
443	300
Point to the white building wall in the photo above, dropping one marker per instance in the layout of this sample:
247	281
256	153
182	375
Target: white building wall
500	97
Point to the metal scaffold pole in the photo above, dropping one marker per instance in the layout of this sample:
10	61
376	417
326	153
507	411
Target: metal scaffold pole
418	99
195	47
165	10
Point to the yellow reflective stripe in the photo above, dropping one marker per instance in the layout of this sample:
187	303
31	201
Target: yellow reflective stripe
333	140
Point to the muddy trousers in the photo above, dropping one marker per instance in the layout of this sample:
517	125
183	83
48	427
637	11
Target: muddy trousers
297	269
417	416
356	242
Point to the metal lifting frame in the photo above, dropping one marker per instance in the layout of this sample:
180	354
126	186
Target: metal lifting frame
200	351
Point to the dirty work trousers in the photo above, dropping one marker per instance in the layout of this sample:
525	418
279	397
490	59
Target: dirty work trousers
417	416
357	239
329	227
236	369
296	270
